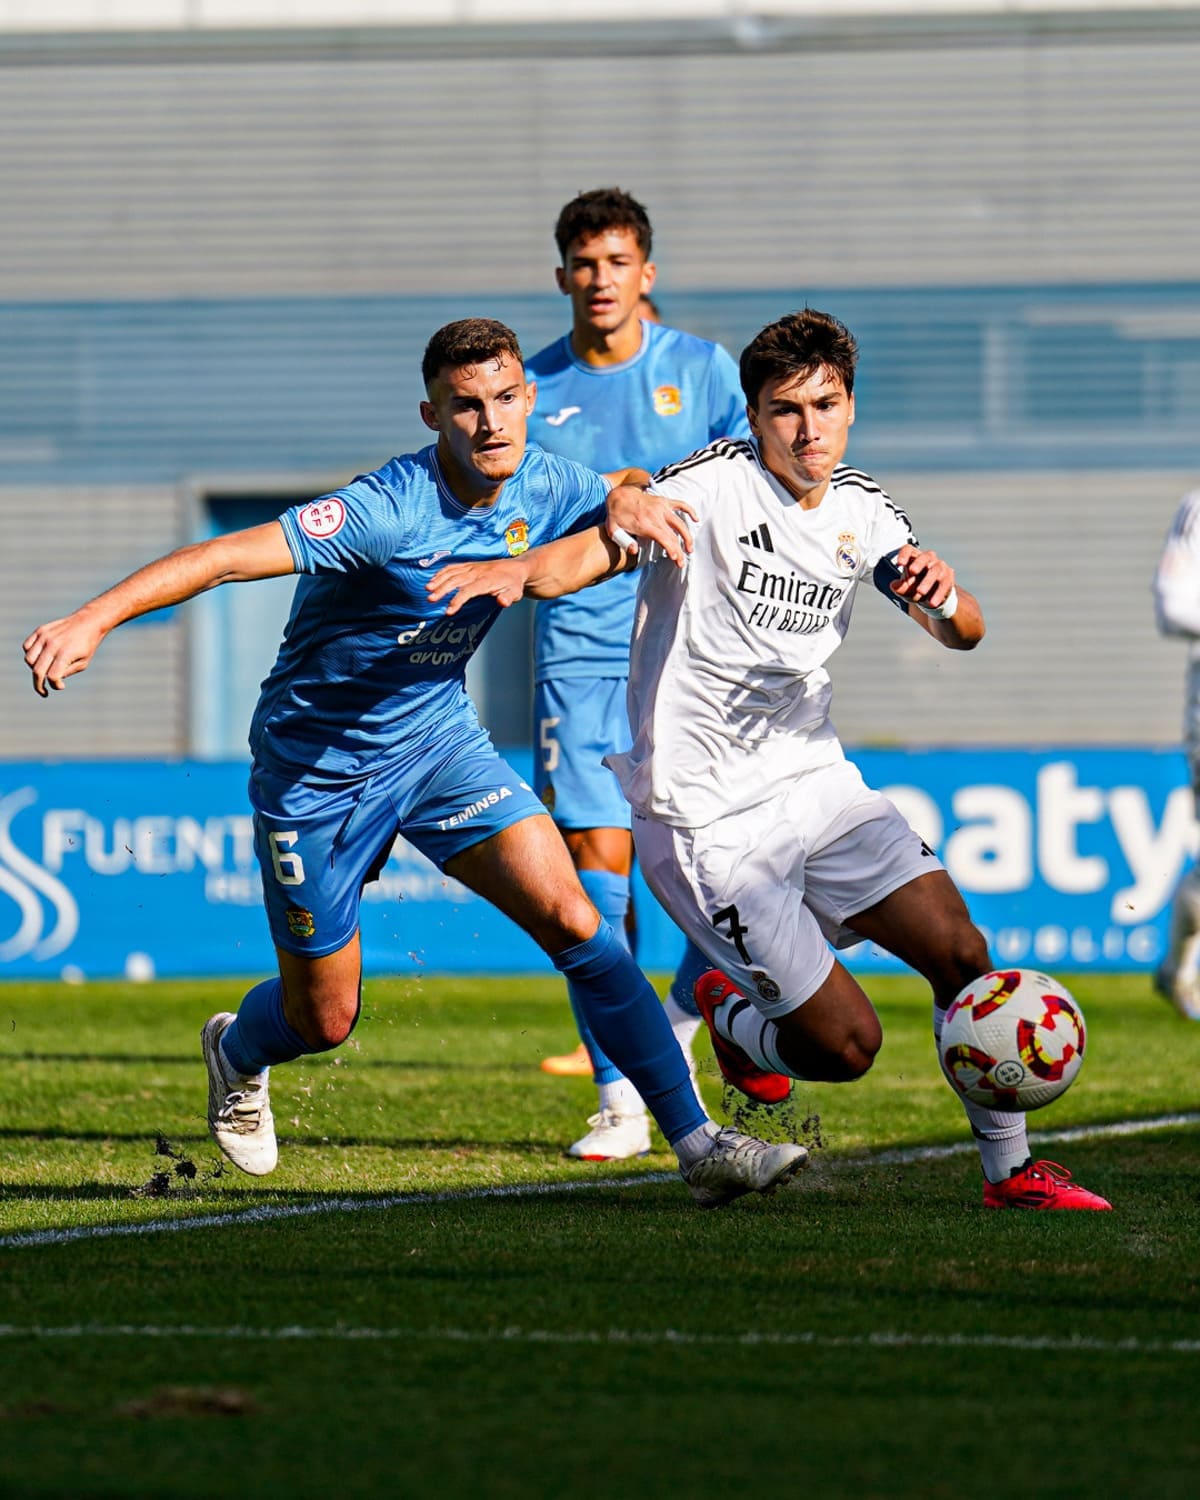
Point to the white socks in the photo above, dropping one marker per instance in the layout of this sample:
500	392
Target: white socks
738	1021
1000	1135
621	1097
683	1025
697	1143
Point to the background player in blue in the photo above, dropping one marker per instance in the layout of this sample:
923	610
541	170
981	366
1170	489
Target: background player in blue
364	730
617	389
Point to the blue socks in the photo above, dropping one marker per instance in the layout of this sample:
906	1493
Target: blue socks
609	894
261	1036
683	986
623	1012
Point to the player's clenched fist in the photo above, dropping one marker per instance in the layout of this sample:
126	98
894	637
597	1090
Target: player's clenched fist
925	580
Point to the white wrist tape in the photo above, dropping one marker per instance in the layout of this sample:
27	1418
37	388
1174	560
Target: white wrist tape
944	610
623	538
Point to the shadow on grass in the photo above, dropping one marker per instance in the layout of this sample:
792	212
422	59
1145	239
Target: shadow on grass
222	1190
526	1147
343	1062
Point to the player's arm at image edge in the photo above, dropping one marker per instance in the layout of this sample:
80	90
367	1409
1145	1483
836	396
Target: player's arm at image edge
62	648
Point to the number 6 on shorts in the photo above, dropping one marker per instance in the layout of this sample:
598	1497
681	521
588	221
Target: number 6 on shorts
289	868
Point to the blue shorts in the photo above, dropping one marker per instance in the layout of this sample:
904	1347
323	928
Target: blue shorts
318	846
577	722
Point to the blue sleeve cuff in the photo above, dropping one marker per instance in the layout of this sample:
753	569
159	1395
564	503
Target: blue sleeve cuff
885	574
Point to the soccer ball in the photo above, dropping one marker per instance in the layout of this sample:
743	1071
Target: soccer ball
1013	1040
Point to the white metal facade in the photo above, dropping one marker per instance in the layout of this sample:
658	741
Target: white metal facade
213	178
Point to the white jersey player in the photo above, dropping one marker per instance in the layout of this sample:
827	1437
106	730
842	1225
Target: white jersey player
753	829
1177	608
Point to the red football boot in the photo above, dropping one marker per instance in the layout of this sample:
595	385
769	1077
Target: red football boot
1040	1184
736	1067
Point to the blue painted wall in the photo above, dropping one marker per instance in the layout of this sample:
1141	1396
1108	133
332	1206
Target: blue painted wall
968	378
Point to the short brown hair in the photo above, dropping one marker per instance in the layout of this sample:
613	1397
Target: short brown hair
798	345
470	341
599	211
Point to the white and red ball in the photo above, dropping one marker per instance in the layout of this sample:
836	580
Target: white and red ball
1013	1039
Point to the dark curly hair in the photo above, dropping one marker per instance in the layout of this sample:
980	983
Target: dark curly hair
599	211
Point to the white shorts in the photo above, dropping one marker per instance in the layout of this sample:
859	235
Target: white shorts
764	892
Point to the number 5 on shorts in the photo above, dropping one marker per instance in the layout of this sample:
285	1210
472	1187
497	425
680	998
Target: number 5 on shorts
549	744
289	868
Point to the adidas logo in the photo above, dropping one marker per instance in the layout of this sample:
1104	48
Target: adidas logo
760	537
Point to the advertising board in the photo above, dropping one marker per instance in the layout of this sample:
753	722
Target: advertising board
1067	858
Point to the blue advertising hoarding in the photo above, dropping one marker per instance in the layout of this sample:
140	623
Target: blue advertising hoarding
1067	858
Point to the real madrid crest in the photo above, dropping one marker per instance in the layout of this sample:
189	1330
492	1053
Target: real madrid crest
848	557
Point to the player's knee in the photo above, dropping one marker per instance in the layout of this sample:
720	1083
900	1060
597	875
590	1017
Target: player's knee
857	1054
840	1060
964	957
567	918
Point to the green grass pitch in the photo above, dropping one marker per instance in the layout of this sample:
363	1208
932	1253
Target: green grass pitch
390	1324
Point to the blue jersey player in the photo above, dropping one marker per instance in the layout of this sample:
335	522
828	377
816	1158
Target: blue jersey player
618	389
364	731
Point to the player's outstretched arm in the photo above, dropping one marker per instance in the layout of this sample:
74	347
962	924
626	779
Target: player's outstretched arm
948	613
62	648
640	478
562	567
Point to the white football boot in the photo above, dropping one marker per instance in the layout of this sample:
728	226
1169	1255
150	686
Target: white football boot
239	1106
613	1137
736	1164
1179	981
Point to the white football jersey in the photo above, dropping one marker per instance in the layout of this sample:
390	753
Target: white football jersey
728	693
1177	607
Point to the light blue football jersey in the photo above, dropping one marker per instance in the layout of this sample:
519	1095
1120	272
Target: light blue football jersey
675	395
369	670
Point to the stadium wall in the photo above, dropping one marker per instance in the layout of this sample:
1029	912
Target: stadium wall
224	251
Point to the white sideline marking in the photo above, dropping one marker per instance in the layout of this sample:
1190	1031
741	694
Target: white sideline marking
340	1334
1070	1133
269	1213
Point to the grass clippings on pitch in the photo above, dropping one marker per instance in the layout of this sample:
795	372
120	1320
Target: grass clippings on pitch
870	1332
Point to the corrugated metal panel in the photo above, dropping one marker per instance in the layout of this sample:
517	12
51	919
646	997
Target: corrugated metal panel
997	161
320	388
1061	562
216	261
62	546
